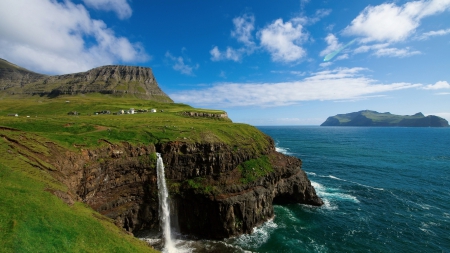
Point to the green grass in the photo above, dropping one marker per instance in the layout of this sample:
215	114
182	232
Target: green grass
254	169
34	220
48	118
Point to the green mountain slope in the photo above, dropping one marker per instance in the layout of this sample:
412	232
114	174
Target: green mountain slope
373	118
34	219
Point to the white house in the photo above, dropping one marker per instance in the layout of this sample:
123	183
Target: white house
132	111
153	110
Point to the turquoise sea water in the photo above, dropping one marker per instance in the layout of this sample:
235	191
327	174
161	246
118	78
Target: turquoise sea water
385	190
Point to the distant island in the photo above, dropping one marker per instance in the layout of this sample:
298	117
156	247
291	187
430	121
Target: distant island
373	118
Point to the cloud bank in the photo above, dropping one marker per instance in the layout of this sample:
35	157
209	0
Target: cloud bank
60	37
338	84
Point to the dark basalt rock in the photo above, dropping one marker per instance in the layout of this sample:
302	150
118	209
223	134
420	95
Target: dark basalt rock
119	181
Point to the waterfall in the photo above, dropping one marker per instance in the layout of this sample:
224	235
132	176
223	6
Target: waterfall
164	210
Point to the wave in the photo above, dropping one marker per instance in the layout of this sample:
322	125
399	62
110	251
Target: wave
258	237
283	150
340	179
330	195
191	246
310	173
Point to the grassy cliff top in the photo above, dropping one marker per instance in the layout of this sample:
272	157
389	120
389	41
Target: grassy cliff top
49	118
34	219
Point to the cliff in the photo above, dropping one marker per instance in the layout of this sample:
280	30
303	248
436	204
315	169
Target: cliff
223	177
373	118
128	81
210	198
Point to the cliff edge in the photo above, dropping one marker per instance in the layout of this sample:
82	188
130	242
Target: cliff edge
223	178
213	196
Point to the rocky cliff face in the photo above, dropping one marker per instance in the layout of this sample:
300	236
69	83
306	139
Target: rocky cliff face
117	80
209	197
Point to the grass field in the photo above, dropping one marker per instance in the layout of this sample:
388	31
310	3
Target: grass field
32	219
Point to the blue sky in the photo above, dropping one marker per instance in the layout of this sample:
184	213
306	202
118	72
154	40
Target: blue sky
261	61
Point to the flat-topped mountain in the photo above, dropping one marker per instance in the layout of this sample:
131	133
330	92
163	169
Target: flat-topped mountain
113	79
373	118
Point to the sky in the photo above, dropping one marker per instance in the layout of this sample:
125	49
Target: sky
264	62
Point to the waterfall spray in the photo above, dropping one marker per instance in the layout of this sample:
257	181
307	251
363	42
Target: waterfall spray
164	211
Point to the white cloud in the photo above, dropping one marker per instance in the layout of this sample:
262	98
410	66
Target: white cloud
283	40
292	72
395	52
120	7
434	33
321	13
180	65
229	54
383	49
54	37
367	48
391	23
437	86
303	3
337	84
333	44
326	64
244	27
342	57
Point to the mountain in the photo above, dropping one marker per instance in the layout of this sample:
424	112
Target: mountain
117	80
373	118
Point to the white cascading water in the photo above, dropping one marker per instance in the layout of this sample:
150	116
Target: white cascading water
164	214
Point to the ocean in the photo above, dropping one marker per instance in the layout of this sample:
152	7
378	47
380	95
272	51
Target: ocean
385	190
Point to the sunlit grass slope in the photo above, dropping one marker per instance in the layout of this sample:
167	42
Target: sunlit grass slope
34	220
49	118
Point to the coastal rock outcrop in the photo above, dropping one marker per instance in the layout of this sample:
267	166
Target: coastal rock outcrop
205	180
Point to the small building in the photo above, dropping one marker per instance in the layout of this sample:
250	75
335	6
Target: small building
13	114
73	113
131	110
153	110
